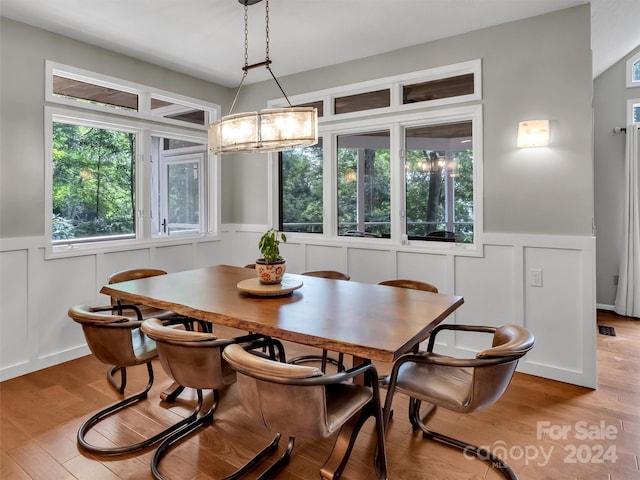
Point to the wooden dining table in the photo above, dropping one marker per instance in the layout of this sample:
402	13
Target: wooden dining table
368	321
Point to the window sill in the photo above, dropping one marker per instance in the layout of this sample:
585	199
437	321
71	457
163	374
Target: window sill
91	248
417	246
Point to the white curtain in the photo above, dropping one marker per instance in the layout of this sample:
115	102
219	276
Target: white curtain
628	294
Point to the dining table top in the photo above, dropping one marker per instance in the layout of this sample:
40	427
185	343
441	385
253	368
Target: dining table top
366	320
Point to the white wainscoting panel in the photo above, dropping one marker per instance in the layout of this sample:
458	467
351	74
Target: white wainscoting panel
35	293
371	266
433	269
245	244
113	262
14	328
325	257
488	285
554	310
56	283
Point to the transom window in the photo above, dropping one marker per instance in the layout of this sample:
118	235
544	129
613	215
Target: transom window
633	111
399	134
633	71
125	162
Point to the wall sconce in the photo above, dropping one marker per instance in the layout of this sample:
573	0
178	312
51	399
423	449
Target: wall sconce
533	133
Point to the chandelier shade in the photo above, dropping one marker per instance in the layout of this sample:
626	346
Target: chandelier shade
268	130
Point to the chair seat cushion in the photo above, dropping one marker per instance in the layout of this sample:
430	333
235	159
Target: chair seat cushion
449	387
343	401
143	347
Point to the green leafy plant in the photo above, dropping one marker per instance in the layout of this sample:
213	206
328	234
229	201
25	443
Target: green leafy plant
269	245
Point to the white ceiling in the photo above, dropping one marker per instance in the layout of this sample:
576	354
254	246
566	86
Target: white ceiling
204	38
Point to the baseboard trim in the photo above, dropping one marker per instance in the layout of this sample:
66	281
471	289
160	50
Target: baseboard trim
602	306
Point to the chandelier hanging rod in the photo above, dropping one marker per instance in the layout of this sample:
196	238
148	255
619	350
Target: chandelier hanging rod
273	129
256	65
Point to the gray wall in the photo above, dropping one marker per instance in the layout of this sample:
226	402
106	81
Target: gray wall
610	96
23	51
535	68
545	191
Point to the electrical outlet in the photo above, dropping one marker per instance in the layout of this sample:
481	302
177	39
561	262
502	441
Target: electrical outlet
535	277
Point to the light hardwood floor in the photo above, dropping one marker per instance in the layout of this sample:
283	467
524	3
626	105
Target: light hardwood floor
41	412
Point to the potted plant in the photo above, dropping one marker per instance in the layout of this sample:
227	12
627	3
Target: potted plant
271	266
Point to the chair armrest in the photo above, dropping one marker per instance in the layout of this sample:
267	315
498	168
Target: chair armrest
119	309
435	359
368	370
91	316
462	328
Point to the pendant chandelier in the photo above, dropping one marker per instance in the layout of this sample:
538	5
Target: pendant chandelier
268	130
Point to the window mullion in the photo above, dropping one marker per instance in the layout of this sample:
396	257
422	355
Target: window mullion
143	184
398	199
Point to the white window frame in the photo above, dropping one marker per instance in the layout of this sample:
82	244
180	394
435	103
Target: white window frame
144	125
175	158
394	118
632	104
630	63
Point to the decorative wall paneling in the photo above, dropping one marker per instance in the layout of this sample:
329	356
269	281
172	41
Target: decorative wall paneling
36	293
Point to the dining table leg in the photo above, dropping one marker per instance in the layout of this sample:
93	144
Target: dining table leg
357	361
171	393
333	467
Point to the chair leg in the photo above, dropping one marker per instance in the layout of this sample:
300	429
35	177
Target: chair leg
280	463
416	417
333	467
496	462
187	428
116	407
324	359
341	365
171	393
123	378
380	460
255	460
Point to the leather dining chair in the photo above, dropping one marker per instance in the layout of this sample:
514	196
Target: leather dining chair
324	358
146	312
332	274
136	274
460	385
194	360
302	401
413	284
117	340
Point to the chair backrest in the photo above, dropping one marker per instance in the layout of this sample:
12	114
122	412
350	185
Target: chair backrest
333	274
441	236
113	339
191	358
134	274
510	343
293	399
412	284
359	233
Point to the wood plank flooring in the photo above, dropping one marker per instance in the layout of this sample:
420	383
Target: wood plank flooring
542	428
